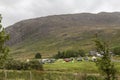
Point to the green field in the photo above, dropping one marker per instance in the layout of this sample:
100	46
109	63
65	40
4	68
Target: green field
59	70
37	75
80	67
72	67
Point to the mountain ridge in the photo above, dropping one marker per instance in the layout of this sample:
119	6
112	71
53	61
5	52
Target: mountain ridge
60	32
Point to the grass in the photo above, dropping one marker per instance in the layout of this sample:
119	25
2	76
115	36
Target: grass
80	67
71	67
62	40
59	70
37	75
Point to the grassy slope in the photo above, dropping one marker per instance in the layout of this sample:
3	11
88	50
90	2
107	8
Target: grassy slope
49	34
68	38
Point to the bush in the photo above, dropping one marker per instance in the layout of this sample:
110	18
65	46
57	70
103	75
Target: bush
35	65
18	65
13	64
38	56
116	50
81	53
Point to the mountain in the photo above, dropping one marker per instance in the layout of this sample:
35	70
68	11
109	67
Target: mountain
50	34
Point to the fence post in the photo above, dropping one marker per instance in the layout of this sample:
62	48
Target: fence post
5	74
30	75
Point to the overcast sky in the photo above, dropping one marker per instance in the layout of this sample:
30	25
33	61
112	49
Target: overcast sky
15	10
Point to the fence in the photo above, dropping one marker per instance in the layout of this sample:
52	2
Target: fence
37	75
15	75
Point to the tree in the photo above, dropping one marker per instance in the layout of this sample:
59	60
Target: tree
116	50
38	56
3	48
69	53
81	53
105	64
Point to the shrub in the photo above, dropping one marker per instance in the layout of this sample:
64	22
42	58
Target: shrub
81	53
35	65
18	65
13	64
38	56
116	51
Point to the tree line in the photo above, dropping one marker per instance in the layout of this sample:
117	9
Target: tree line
70	53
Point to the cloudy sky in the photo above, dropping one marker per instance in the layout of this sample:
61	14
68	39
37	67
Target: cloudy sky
15	10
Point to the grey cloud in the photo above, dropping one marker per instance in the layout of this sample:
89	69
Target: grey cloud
16	10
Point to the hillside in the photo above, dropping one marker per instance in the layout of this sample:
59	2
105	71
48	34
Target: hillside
49	34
